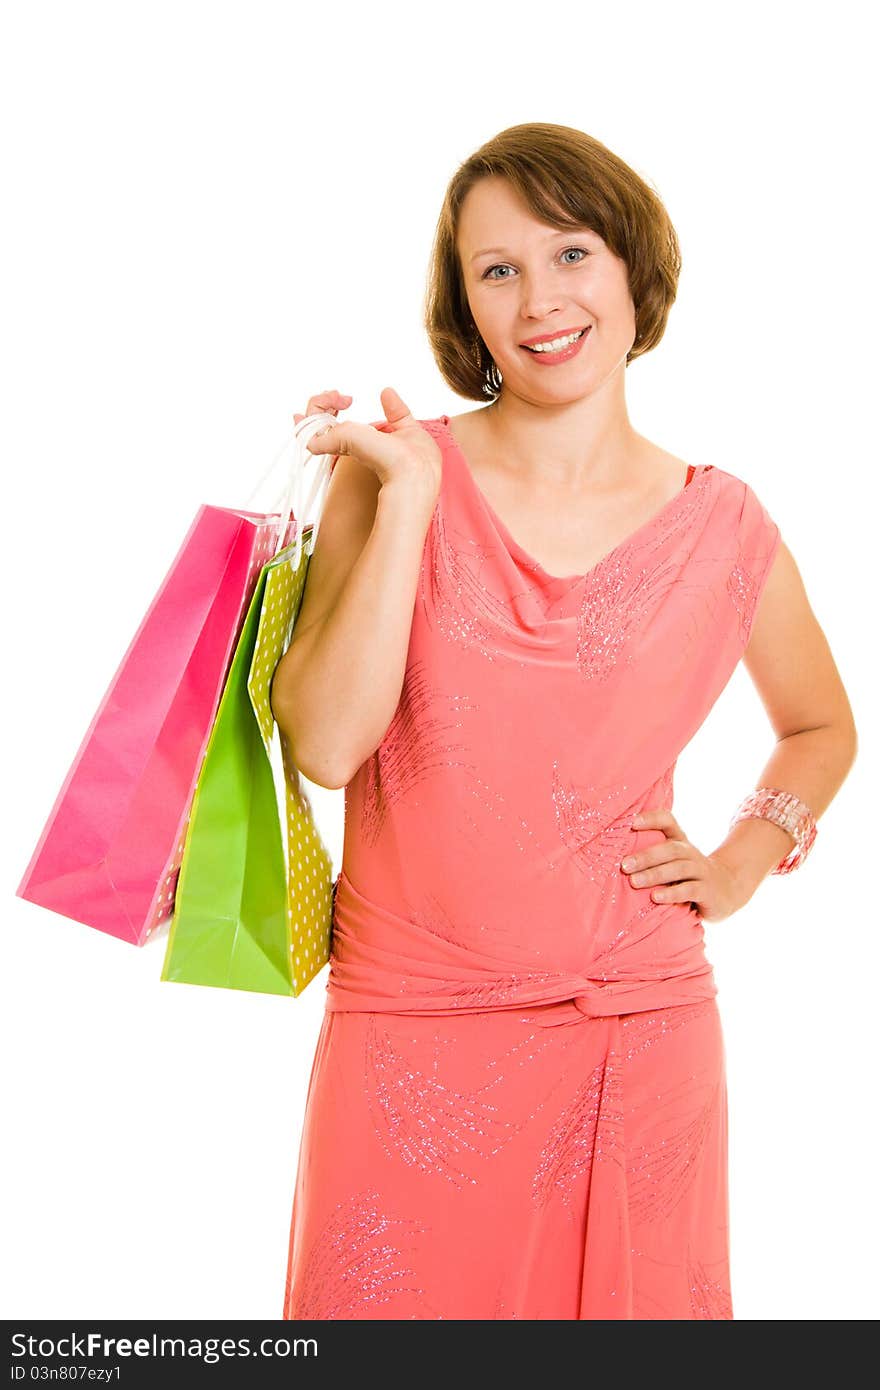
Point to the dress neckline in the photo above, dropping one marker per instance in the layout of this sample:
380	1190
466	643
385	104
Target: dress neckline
528	560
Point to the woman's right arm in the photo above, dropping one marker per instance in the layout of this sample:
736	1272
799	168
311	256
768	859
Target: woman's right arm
335	691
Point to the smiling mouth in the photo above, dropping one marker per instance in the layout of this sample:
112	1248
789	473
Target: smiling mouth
541	348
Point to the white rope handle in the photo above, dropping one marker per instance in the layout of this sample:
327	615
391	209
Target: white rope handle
292	501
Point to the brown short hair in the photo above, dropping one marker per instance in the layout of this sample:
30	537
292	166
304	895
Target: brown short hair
568	179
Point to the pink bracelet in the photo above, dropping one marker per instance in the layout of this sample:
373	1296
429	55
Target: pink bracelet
787	811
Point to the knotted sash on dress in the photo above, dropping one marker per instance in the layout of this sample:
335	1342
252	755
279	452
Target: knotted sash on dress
383	962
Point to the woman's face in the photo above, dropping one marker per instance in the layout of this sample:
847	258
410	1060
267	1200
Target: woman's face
525	279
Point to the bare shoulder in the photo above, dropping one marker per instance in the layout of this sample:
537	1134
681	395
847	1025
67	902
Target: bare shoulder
788	656
663	464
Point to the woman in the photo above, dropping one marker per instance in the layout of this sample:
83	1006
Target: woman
514	620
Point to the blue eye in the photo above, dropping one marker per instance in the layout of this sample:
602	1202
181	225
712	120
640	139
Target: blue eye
579	249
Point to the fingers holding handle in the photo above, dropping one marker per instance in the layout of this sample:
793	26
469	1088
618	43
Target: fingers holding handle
327	402
397	448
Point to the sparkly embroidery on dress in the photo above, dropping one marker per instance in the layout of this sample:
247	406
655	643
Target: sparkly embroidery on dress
418	742
500	1314
486	994
417	745
603	958
758	538
621	591
359	1258
609	610
710	1298
493	806
596	844
589	1128
641	1031
659	1173
433	917
744	588
464	609
428	1123
688	508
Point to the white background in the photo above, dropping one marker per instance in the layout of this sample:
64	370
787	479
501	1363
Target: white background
214	211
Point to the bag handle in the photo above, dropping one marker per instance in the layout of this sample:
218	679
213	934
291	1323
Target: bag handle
293	499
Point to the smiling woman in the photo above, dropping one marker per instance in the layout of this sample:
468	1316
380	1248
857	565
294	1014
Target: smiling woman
518	1104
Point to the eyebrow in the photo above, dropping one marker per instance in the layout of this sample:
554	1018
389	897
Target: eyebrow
502	250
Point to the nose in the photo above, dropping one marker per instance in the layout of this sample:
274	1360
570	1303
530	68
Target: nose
540	307
540	298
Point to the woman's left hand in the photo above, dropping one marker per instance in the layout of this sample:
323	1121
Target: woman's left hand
676	872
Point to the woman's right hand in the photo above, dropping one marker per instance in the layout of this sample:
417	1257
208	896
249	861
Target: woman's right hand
399	449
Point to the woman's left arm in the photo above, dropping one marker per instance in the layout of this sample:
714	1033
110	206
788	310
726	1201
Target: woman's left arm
797	680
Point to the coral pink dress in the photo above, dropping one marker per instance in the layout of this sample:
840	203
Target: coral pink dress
517	1105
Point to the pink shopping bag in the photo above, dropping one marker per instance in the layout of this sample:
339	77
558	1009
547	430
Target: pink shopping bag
110	852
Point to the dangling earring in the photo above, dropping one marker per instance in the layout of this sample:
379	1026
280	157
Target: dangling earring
494	380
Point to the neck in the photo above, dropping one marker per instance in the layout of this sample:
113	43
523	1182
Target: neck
587	444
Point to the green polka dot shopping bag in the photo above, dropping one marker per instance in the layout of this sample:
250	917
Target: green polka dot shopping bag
253	909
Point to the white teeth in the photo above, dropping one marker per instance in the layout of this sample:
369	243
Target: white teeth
557	343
